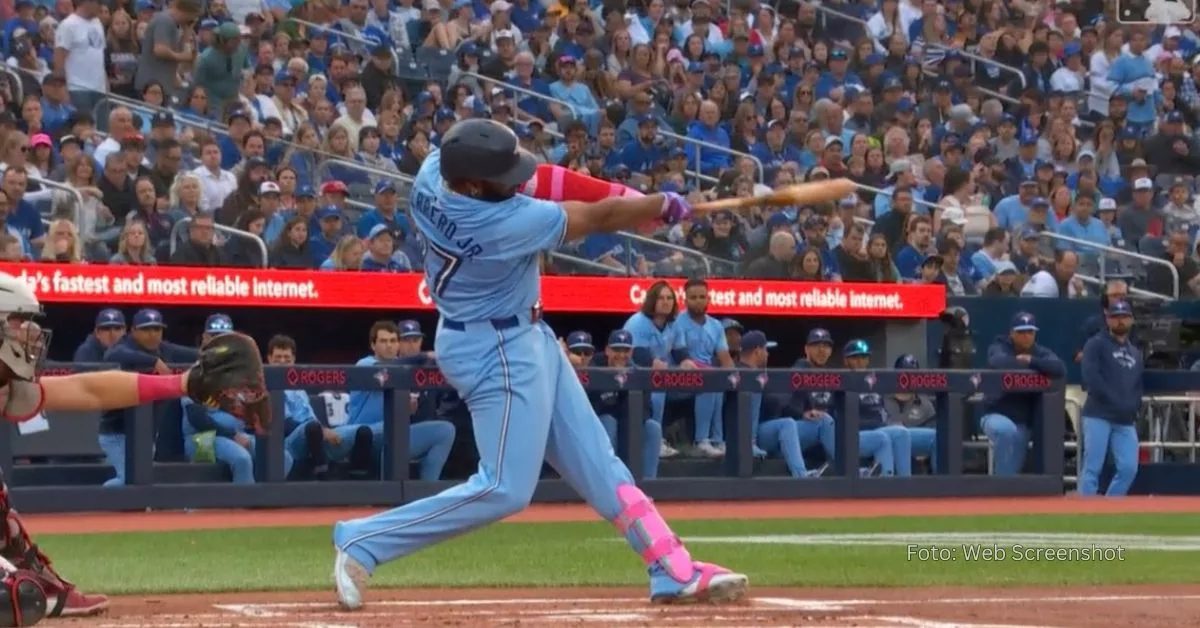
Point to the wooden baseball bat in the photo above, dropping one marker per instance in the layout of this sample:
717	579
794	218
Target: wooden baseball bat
788	196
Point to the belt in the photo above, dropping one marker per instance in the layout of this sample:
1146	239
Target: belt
500	324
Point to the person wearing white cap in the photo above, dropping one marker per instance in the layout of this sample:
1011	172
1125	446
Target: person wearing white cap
1137	220
502	25
1178	213
1106	211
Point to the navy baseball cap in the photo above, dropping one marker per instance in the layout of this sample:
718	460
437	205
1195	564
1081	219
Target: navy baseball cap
411	329
756	340
837	54
148	319
385	186
1120	308
1029	234
756	50
1024	321
943	85
819	336
1030	181
856	347
110	318
906	105
1174	117
305	191
329	211
729	323
218	324
1029	139
647	118
580	340
695	67
620	339
1040	202
907	361
892	83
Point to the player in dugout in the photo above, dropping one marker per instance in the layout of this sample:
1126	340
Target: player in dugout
308	440
773	433
110	327
430	440
143	349
613	406
816	408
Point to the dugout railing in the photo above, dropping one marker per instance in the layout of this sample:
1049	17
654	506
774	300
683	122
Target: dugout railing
153	485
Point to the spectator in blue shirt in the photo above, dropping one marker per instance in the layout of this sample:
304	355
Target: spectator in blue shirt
838	75
708	129
322	243
644	154
773	151
21	214
918	246
381	249
568	88
1081	225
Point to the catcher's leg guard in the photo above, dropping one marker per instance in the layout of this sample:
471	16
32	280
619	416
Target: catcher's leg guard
22	599
24	555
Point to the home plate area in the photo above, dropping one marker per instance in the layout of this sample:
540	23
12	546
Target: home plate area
1163	607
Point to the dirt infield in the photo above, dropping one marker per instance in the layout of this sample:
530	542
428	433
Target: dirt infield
1160	606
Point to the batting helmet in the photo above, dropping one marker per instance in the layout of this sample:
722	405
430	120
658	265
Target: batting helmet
484	150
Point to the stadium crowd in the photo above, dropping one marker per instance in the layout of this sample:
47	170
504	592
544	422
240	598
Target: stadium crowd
982	132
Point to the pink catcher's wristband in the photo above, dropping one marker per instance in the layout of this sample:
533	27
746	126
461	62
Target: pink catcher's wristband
159	387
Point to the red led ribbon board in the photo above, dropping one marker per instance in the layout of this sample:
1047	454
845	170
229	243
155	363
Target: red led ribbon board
232	287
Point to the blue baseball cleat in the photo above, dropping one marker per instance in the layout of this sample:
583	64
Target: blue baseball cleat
710	584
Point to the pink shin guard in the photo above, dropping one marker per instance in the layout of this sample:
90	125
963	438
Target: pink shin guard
659	545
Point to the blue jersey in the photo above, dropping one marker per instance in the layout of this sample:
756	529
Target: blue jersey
481	258
704	340
658	342
366	407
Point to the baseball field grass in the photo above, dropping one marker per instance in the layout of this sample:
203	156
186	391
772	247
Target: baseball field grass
880	552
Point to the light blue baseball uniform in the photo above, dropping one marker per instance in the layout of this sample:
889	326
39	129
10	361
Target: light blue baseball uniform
704	339
526	402
650	342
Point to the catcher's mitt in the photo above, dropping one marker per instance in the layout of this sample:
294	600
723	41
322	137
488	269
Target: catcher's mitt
229	377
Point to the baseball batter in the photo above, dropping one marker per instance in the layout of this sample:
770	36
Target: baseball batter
482	242
228	376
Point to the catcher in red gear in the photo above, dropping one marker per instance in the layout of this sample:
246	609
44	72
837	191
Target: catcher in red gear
228	376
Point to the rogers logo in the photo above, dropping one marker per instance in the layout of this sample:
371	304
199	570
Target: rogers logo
315	377
637	293
676	379
429	378
1025	381
908	380
423	293
585	377
803	380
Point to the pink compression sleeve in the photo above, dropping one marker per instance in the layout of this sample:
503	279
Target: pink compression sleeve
555	183
158	387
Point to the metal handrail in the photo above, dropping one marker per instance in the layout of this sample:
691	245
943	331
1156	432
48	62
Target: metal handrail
982	90
571	259
1137	292
220	129
916	201
351	37
178	229
826	11
1111	249
55	185
978	58
707	259
662	133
